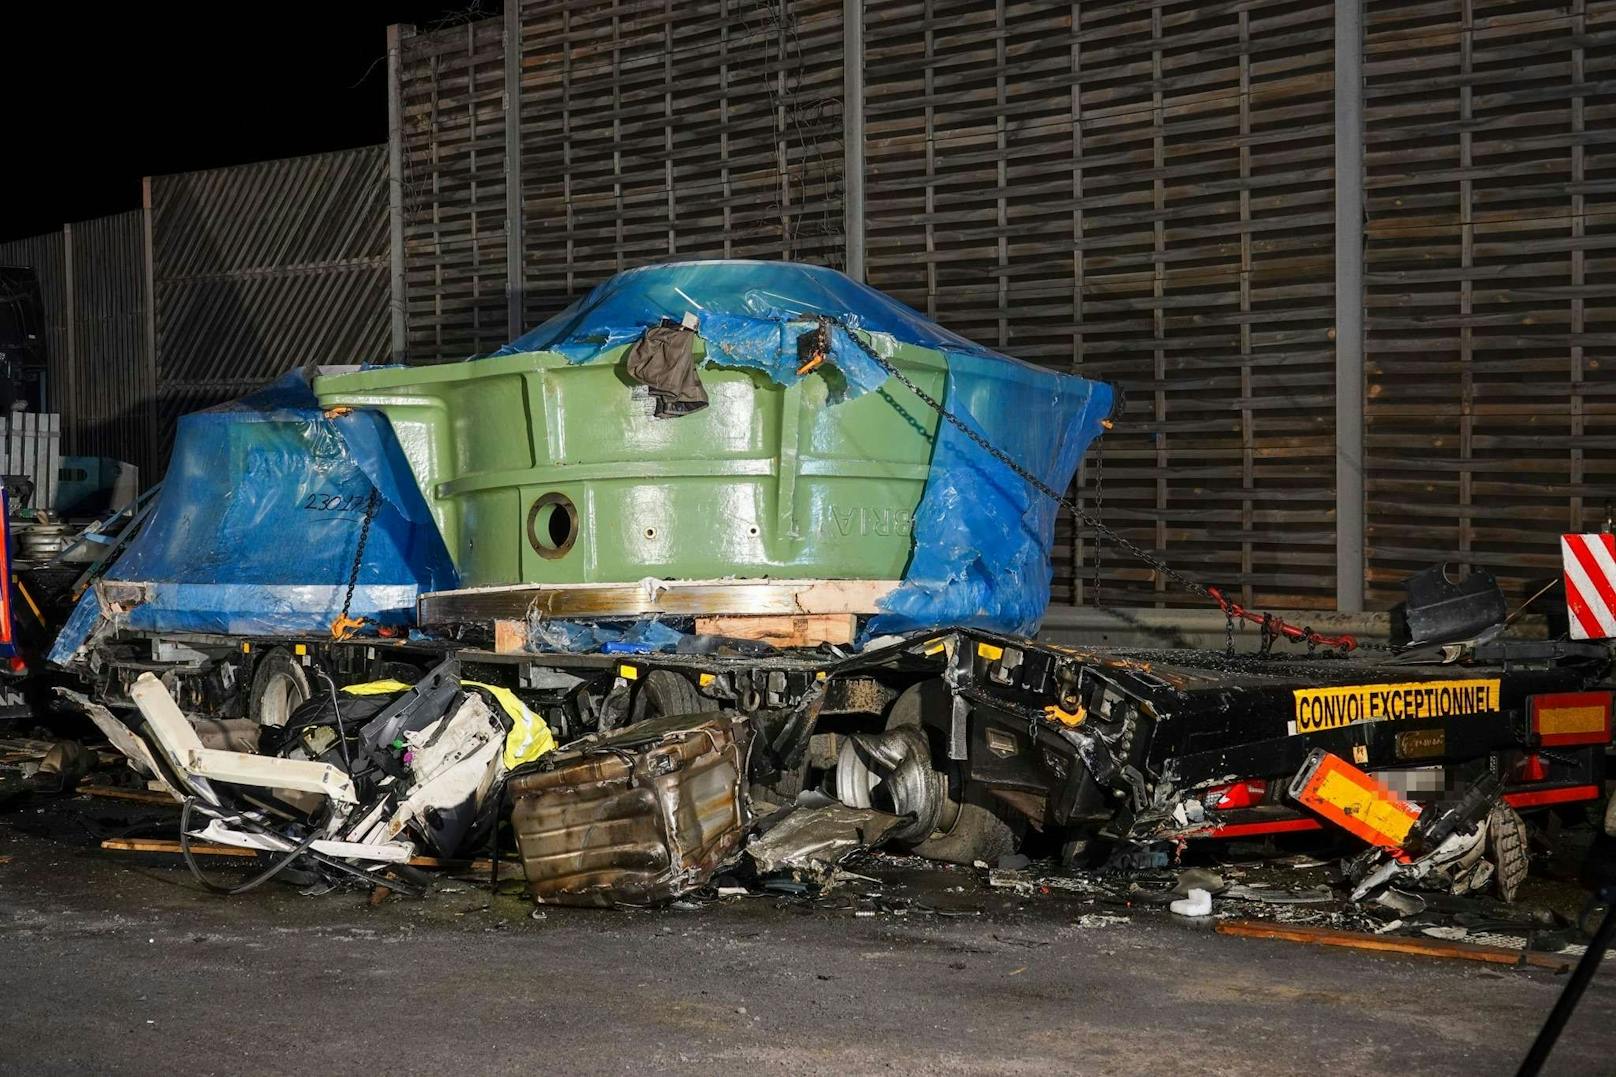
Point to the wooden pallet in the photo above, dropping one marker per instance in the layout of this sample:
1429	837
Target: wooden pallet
786	613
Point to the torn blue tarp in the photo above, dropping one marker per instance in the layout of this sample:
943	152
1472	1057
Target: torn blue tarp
750	314
258	522
982	534
641	636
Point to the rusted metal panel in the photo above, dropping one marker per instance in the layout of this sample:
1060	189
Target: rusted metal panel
634	817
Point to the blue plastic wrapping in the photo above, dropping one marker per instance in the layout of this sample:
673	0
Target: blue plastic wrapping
80	623
258	521
748	313
982	534
643	636
256	527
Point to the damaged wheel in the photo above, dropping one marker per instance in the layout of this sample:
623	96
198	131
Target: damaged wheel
279	687
898	771
1508	849
663	693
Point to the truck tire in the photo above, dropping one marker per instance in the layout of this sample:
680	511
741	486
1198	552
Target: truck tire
279	687
662	693
1507	848
967	826
976	834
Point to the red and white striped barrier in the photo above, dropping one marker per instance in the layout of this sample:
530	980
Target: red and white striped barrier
1590	584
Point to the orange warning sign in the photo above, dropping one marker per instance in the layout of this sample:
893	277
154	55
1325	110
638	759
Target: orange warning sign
1354	801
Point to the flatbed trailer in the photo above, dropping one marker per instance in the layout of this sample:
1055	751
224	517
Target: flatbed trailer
978	736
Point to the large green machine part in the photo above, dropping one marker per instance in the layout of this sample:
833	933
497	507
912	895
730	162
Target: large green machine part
543	471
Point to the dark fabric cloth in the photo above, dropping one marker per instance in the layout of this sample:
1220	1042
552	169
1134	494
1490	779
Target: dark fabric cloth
664	359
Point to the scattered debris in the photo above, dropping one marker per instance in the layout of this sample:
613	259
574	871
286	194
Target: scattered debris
1019	881
1273	895
346	791
665	805
1196	903
1130	857
1439	847
810	842
1401	944
1401	902
170	846
143	796
1191	879
62	766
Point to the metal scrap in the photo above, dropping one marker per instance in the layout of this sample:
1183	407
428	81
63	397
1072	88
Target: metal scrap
810	842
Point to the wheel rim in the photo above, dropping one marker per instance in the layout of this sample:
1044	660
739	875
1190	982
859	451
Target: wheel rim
892	772
282	695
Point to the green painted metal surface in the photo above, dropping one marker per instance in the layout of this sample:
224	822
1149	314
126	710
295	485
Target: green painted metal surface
541	471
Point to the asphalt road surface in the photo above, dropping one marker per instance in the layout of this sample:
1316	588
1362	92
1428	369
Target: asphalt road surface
117	962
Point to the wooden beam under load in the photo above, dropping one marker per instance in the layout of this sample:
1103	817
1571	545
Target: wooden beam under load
677	598
793	630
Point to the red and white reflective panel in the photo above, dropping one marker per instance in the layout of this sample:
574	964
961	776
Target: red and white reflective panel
1590	584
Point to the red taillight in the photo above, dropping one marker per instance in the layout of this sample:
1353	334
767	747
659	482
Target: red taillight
1569	718
1236	795
1531	768
16	664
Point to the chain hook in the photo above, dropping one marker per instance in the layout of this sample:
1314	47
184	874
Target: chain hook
344	626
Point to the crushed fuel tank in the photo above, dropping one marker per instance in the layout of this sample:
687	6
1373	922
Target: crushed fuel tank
634	817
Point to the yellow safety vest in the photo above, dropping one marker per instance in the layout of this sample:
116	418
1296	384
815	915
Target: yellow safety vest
528	739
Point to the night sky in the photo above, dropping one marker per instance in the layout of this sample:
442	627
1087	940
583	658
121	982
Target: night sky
97	96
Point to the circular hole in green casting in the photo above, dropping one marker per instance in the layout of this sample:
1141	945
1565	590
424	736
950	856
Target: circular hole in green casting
552	525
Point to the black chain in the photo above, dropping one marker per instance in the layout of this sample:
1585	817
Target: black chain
1099	513
359	551
1194	587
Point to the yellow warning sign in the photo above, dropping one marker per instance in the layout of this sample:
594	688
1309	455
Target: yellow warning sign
1331	708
